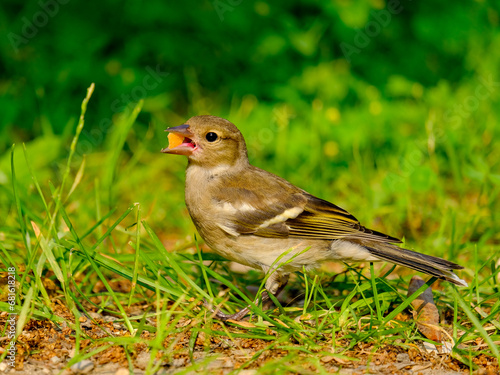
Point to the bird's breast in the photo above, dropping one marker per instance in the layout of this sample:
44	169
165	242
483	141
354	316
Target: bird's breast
214	222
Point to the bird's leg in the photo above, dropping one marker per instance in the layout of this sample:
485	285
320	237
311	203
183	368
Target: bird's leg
221	316
276	286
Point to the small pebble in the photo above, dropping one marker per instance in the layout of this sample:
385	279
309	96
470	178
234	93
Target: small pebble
94	315
403	357
178	362
327	358
142	360
122	371
83	367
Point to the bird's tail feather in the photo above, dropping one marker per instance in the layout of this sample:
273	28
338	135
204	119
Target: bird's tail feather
428	264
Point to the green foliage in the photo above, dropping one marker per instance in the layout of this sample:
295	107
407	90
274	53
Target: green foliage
401	130
279	51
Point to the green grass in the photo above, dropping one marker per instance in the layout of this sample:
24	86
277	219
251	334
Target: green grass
118	213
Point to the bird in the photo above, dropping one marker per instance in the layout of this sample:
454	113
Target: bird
258	219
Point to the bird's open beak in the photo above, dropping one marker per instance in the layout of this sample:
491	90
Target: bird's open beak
180	141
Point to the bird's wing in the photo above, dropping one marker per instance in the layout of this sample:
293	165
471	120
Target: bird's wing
244	211
280	210
324	220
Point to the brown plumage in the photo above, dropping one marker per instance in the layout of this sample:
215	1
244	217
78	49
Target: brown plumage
251	216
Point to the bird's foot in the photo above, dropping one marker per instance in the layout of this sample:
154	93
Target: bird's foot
221	316
239	314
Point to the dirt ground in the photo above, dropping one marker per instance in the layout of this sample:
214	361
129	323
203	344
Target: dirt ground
44	348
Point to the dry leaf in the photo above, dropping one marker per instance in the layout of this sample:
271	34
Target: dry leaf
426	313
242	323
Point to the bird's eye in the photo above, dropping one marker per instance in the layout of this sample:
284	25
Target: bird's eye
211	137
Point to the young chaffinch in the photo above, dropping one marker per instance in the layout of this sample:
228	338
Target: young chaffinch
253	217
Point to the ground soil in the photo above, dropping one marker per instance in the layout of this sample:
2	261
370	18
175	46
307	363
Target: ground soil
45	348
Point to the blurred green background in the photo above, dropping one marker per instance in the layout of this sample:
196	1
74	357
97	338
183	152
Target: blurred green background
390	110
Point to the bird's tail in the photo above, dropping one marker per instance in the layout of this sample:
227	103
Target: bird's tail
428	264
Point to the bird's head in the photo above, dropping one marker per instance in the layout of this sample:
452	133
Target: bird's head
209	141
